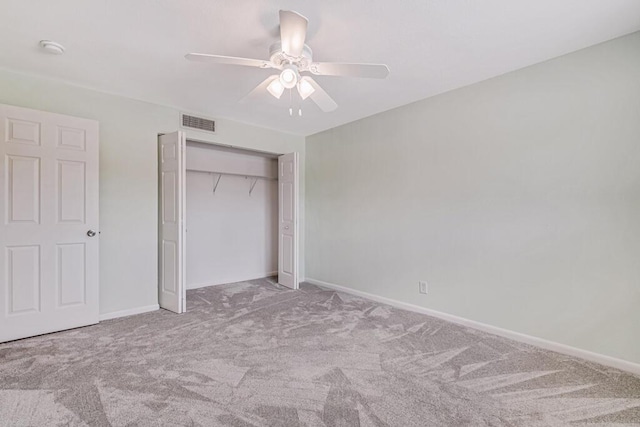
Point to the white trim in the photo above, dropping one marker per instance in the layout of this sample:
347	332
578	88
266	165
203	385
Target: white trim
206	285
602	359
129	312
226	282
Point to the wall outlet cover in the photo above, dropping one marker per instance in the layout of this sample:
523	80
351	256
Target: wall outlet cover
424	288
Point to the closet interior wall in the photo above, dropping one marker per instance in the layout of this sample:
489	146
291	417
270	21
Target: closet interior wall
232	232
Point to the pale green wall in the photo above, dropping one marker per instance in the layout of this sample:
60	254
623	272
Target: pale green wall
517	199
128	175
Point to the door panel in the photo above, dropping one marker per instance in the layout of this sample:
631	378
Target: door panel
23	189
287	251
287	201
23	267
288	221
169	200
172	288
71	274
48	201
169	271
71	192
22	131
71	138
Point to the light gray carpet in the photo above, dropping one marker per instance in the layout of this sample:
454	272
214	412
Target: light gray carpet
255	354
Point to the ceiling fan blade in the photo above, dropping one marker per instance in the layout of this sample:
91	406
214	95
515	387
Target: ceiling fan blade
372	71
293	32
259	90
228	60
320	97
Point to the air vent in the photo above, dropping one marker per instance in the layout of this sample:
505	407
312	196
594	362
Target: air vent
199	123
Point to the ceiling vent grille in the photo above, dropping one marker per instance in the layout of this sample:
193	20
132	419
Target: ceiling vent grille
199	123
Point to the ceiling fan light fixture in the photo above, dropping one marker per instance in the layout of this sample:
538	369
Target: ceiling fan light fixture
305	89
289	76
290	57
276	88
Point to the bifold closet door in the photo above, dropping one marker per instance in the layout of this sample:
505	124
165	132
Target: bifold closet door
171	274
288	220
49	229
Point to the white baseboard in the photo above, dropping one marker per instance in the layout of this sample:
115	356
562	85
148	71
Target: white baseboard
602	359
129	312
226	282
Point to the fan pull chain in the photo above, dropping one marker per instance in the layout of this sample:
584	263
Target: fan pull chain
291	105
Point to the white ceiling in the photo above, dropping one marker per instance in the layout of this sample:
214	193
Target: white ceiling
136	48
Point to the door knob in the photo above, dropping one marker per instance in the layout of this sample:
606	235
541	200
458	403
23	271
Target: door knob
91	233
286	227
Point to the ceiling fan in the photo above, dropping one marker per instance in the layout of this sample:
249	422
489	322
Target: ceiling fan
292	57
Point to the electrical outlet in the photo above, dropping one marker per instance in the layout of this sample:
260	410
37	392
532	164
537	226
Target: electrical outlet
424	287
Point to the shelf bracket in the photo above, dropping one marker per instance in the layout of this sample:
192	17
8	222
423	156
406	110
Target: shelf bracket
216	182
253	184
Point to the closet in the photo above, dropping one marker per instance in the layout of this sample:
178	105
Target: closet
231	215
226	215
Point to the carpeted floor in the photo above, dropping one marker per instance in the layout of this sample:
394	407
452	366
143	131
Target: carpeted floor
256	354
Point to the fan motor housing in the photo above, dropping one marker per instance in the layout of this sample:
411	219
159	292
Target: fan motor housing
280	59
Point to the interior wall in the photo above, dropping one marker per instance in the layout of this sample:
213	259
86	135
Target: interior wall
129	174
517	199
231	235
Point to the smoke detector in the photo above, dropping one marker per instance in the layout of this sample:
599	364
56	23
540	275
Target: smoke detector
52	47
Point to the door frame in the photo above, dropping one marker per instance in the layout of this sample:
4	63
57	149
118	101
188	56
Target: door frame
275	155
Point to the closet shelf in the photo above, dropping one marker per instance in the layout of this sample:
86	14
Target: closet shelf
216	180
247	175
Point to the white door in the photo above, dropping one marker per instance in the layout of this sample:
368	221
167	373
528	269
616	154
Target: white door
288	220
172	289
49	228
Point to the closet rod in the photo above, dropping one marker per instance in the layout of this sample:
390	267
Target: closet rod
268	178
